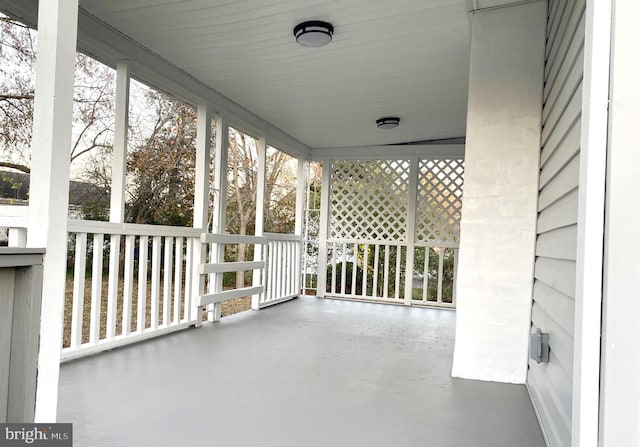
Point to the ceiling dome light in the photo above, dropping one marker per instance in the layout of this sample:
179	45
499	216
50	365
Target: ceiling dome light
388	122
313	33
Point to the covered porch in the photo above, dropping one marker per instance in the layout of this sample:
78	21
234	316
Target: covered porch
311	372
491	218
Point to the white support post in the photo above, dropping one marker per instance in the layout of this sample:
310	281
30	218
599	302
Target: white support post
220	204
201	202
49	194
412	206
119	160
260	205
301	194
324	228
620	359
591	202
620	384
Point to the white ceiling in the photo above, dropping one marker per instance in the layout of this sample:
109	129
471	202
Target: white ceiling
407	58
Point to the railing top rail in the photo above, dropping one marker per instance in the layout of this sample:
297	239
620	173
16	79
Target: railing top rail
14	216
364	241
436	244
91	226
283	237
209	238
334	240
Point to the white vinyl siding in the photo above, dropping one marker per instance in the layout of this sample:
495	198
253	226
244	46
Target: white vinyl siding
555	268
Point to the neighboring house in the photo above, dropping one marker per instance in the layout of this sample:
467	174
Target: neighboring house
86	201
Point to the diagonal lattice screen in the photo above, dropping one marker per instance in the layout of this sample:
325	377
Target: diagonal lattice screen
439	201
369	199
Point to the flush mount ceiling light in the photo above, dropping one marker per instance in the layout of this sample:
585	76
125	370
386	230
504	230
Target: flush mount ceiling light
388	122
313	33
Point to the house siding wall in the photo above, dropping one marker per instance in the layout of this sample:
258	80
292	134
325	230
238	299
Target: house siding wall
555	267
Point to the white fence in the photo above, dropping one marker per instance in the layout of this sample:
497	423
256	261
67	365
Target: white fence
132	282
375	271
211	292
284	264
154	296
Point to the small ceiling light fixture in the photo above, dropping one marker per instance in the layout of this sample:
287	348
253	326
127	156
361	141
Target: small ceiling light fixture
313	33
388	122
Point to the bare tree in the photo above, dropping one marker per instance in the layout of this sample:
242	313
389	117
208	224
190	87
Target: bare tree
94	98
161	168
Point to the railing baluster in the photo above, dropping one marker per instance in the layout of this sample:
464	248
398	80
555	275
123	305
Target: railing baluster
398	268
440	273
365	268
343	276
376	254
112	293
354	270
188	289
281	276
96	287
166	283
77	307
297	287
143	256
127	294
289	268
177	281
425	277
271	275
385	292
333	267
155	280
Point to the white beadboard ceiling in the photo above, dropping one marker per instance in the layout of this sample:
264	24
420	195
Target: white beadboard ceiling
408	58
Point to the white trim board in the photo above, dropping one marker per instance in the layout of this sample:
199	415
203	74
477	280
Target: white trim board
391	151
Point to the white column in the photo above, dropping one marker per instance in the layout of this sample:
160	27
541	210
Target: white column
323	231
220	203
49	194
201	199
119	159
259	229
620	382
301	194
412	206
498	228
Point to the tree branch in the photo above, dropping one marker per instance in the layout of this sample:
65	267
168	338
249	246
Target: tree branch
17	167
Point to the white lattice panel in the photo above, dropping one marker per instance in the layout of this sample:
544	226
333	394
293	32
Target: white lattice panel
439	201
369	199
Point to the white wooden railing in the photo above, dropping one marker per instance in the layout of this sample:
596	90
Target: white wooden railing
276	271
375	271
152	298
211	292
131	282
284	268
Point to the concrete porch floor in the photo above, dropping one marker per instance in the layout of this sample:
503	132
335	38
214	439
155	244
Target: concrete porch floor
310	372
